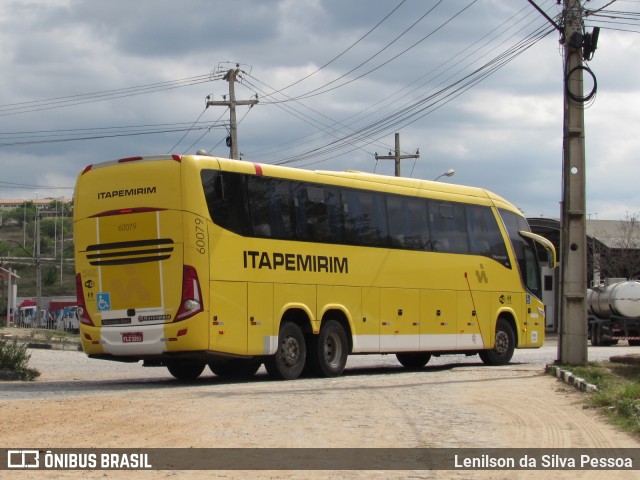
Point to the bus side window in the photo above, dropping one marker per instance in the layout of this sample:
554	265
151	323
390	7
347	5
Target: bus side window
270	207
322	212
365	218
418	224
448	227
398	223
408	223
484	234
226	200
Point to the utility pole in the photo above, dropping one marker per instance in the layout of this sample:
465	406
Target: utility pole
38	269
397	157
232	140
11	297
572	342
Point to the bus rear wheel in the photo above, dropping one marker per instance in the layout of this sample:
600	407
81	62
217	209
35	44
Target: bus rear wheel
504	346
328	351
185	370
236	368
288	361
413	361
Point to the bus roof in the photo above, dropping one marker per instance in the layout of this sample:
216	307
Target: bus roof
356	179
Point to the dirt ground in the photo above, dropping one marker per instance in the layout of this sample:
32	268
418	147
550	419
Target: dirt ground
82	403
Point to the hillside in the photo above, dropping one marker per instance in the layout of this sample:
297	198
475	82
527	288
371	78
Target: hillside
13	256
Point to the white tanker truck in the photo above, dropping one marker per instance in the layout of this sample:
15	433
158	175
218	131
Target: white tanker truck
613	312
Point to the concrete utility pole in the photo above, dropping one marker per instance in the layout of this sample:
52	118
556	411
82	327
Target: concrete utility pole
397	157
38	262
11	297
572	344
232	140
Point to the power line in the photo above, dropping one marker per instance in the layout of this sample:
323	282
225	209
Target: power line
4	184
316	91
87	135
420	108
343	52
368	133
187	132
80	99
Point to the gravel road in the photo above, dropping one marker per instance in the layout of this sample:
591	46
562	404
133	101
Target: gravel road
453	402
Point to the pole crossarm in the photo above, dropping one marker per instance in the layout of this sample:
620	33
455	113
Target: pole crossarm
544	14
396	157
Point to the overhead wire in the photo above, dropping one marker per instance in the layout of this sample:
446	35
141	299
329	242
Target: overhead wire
187	132
371	30
4	184
419	109
80	99
316	91
320	91
70	135
468	51
205	132
328	128
375	128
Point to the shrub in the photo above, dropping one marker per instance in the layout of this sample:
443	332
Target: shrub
13	362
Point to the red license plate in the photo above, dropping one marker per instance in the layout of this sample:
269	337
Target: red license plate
131	337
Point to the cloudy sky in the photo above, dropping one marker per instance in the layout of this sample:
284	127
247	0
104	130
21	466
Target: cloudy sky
474	85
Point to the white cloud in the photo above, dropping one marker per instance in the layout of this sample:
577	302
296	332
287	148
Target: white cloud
504	134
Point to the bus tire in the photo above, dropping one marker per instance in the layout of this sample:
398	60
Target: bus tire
236	368
634	343
504	346
288	361
328	350
413	361
185	370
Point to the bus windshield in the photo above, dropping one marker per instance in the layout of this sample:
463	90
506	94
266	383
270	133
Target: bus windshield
524	250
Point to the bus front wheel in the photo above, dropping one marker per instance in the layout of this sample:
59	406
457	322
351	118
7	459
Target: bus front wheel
185	370
328	351
505	344
288	361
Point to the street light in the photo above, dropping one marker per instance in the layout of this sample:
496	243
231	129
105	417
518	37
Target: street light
449	173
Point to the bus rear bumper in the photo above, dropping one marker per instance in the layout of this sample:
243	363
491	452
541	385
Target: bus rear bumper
124	341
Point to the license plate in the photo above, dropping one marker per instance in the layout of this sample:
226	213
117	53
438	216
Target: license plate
131	337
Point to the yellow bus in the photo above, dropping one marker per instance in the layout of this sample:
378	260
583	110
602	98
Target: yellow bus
189	261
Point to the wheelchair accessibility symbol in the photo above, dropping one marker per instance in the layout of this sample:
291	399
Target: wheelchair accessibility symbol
103	301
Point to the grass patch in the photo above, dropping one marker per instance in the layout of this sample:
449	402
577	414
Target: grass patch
14	361
618	395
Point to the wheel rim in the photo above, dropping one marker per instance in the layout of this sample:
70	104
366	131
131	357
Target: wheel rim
332	350
502	342
290	351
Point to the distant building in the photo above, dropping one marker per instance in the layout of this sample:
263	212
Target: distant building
44	205
613	250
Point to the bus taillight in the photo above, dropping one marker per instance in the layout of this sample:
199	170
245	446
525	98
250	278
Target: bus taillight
191	301
83	314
